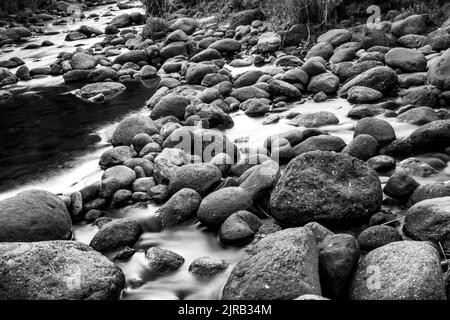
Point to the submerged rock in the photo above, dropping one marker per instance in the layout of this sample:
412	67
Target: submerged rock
101	91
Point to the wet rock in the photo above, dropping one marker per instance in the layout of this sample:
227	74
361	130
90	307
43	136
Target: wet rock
325	82
200	177
378	236
315	120
121	198
115	156
75	36
359	94
6	77
145	164
314	66
433	136
319	231
23	73
383	79
82	61
379	129
321	142
116	234
207	266
215	116
429	220
408	60
143	185
159	193
130	127
216	207
345	52
255	107
296	76
418	116
294	35
430	191
34	215
174	49
412	41
76	76
363	147
163	261
404	270
182	206
102	74
107	90
414	24
121	20
338	257
400	186
115	178
416	167
15	33
438	40
290	252
93	215
420	96
239	228
260	178
326	187
381	163
73	270
170	105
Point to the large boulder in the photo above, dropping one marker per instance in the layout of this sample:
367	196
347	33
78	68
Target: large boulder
403	270
326	187
325	82
57	270
439	72
383	79
197	71
83	61
34	215
115	178
381	130
282	266
182	206
130	127
429	220
335	37
408	60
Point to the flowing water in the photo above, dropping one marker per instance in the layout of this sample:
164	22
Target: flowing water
52	140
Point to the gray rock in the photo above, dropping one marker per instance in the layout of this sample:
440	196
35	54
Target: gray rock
200	177
71	269
216	207
292	253
325	82
115	178
207	267
34	215
163	261
404	270
171	105
117	234
319	143
379	129
239	228
326	187
130	127
378	236
183	205
408	60
383	79
363	147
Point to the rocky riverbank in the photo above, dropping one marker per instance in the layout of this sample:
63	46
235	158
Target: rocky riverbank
306	212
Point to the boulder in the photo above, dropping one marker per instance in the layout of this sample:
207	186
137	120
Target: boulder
383	79
429	220
162	261
320	142
363	147
197	71
325	82
359	94
433	136
83	61
130	127
381	130
7	77
115	178
378	236
336	37
314	120
239	228
439	72
73	271
182	206
170	105
246	17
226	46
292	253
116	234
200	177
326	187
321	49
268	42
216	207
408	60
34	215
414	24
115	156
418	116
403	270
206	267
105	90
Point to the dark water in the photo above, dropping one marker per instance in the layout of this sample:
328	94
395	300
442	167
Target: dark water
43	129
